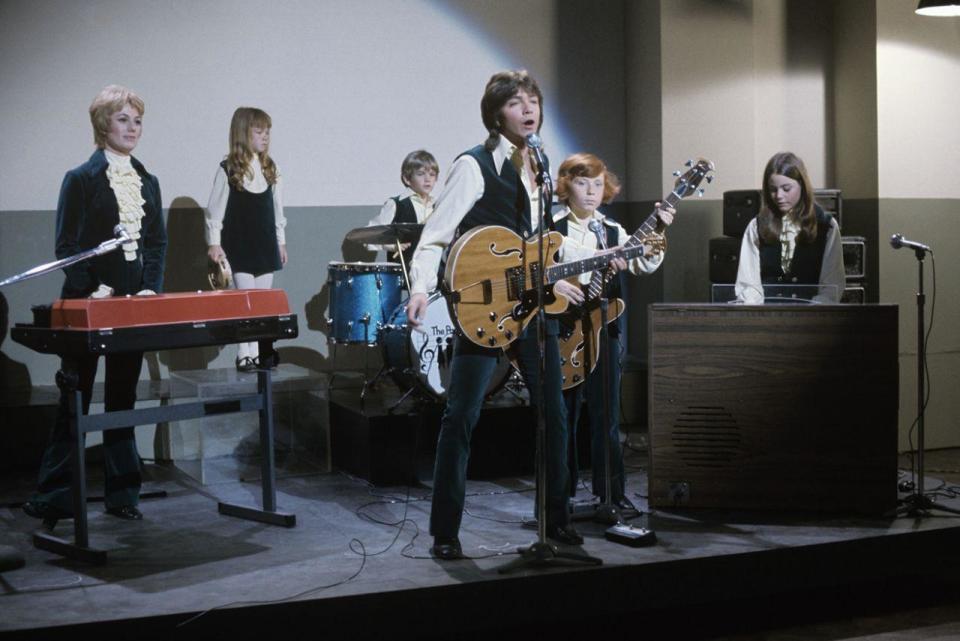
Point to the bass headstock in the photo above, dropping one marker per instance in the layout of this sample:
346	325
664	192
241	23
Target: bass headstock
688	182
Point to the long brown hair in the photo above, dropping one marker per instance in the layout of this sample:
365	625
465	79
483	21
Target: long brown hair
500	89
770	219
238	160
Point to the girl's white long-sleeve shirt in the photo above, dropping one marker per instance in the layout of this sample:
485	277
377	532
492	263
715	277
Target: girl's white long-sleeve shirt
217	204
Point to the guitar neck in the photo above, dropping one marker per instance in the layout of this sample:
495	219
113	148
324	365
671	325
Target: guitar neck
648	227
566	270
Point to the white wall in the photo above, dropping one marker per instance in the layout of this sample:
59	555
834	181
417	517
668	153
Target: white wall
741	81
351	86
918	99
918	81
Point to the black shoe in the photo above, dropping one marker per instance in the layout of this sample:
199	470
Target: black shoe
126	512
625	505
246	364
564	534
446	549
45	511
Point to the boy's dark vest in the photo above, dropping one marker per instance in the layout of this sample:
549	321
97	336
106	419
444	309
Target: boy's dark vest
405	213
504	201
807	258
615	285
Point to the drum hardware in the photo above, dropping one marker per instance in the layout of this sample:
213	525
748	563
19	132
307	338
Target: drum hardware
391	234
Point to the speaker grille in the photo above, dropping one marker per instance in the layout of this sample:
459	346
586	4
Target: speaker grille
706	436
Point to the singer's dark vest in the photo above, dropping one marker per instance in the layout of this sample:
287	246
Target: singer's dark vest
615	286
405	213
807	258
504	201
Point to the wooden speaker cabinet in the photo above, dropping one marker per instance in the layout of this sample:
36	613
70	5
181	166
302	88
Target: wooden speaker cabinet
785	407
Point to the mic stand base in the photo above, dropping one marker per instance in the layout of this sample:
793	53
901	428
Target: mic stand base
919	505
543	555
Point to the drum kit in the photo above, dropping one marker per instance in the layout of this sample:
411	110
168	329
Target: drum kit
368	306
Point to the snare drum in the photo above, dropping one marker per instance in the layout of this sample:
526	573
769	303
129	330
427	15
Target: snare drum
422	356
362	296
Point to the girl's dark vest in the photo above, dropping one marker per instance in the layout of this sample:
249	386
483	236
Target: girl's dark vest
807	258
249	235
615	286
405	213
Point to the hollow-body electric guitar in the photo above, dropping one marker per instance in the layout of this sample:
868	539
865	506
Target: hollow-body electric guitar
580	325
491	278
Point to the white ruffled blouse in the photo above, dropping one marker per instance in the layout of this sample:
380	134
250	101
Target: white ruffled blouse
126	185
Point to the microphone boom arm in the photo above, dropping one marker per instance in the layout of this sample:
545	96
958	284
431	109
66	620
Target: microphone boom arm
120	237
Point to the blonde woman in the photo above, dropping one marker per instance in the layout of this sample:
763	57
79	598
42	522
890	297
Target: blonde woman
111	188
244	217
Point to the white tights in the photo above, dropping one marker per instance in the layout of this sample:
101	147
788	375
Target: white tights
243	280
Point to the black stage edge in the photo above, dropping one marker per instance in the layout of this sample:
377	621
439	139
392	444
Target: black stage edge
694	598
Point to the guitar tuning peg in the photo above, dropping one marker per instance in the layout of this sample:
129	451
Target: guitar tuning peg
676	173
689	163
709	180
700	193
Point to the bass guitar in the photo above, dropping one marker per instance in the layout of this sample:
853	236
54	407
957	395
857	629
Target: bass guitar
580	325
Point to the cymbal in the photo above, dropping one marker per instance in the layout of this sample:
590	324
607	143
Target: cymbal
386	234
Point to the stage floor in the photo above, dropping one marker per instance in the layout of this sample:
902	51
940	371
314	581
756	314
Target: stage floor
357	565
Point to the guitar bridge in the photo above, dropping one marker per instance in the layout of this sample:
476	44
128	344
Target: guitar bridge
516	280
479	293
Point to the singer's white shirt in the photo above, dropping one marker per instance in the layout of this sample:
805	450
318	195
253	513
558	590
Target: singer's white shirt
217	205
583	241
461	191
749	286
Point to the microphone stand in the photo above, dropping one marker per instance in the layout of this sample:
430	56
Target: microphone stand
918	503
541	553
607	512
107	246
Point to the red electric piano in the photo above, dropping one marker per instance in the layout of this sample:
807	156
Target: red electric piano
78	327
166	321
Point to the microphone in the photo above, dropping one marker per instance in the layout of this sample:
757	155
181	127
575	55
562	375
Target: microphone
897	241
535	144
597	228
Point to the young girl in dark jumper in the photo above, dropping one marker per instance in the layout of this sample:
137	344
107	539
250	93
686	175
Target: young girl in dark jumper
244	217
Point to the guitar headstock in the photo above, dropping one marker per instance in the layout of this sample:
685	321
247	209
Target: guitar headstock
688	182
